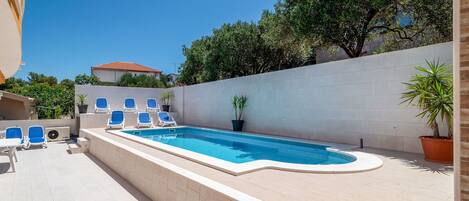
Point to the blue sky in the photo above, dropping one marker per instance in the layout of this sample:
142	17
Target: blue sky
64	38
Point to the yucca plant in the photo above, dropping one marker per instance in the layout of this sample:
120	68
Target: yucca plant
165	98
82	106
432	91
81	99
239	104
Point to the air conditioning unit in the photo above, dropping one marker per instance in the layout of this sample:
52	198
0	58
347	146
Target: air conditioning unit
57	133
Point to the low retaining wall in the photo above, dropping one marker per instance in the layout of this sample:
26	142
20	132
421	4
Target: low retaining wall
155	178
24	124
116	95
99	120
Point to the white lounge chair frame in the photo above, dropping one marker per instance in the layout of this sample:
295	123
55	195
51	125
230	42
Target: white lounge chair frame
28	142
102	110
157	109
166	123
25	142
121	125
140	124
126	109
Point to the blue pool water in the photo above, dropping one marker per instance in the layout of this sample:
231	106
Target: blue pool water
242	147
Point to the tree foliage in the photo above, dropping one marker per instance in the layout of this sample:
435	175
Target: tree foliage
432	91
55	99
84	79
241	49
288	36
52	100
348	24
130	80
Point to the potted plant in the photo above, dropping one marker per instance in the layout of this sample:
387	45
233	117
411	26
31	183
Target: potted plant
82	107
432	92
239	104
166	100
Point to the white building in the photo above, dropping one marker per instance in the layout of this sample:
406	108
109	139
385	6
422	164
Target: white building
112	72
11	17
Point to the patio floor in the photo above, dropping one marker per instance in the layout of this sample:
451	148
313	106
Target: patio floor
404	176
53	174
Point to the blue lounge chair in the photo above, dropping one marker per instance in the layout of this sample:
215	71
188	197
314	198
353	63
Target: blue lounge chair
101	105
14	132
165	119
144	120
152	105
129	105
116	120
36	136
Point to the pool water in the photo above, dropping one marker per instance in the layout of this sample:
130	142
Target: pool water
242	147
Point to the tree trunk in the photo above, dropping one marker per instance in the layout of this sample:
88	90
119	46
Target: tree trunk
436	131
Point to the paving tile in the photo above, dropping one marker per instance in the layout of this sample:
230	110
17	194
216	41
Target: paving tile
52	174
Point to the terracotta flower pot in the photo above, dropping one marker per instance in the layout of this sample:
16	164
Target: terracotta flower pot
437	149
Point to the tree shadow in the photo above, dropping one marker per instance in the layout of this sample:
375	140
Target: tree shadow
4	167
411	160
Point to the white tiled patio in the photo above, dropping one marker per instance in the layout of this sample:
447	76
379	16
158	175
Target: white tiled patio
52	174
55	175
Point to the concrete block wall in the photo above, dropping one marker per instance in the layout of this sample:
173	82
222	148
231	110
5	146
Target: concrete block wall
116	95
340	101
158	179
24	124
99	120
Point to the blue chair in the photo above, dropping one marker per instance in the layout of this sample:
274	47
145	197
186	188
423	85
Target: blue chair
144	120
101	105
36	136
116	120
165	119
14	132
152	105
129	105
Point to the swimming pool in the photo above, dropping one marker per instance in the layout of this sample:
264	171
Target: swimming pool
242	148
239	152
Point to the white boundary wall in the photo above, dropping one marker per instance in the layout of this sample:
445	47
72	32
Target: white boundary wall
24	124
116	95
339	102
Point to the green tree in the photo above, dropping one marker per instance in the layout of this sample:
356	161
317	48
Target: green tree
52	100
84	79
277	32
11	83
130	80
240	49
192	69
165	80
67	83
348	24
34	78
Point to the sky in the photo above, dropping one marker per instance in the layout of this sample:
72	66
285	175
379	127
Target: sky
64	38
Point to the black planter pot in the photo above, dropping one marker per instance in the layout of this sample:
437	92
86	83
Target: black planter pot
237	125
82	108
165	108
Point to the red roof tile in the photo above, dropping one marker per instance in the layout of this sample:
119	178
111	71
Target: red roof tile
125	66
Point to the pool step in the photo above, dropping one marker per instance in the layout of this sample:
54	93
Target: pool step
80	147
74	148
84	144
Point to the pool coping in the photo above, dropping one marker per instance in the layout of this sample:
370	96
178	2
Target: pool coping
363	162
